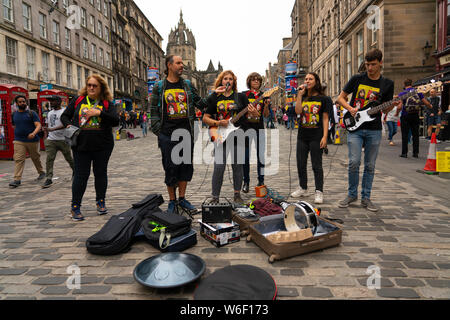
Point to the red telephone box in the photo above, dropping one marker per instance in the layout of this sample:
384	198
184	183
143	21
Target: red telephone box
44	106
7	106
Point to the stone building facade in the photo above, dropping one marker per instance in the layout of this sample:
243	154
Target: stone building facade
55	44
182	43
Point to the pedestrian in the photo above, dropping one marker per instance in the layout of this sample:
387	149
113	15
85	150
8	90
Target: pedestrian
55	139
365	87
27	127
143	119
224	104
391	120
433	114
314	109
253	127
170	113
291	116
92	111
410	119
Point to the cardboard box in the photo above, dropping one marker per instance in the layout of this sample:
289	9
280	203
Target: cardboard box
220	234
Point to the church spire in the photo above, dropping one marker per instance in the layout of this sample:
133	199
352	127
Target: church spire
181	16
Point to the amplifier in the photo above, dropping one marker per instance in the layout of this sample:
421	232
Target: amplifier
217	212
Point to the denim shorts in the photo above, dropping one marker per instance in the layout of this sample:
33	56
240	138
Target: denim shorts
433	120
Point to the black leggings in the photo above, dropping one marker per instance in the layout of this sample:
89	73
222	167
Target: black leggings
82	162
303	148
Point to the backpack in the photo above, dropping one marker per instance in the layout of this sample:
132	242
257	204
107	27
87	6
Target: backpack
117	235
160	227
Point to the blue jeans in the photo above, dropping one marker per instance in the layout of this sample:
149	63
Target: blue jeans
370	140
392	127
291	123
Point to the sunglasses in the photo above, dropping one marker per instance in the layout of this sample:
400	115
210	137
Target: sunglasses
92	85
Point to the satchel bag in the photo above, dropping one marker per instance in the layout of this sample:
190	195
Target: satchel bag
71	134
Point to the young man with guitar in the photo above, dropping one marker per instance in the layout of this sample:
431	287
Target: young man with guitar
367	89
223	105
254	129
169	113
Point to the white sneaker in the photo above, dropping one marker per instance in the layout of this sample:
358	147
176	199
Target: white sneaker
299	193
319	197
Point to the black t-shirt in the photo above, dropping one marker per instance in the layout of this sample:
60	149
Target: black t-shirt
224	108
436	103
175	108
254	122
311	119
364	90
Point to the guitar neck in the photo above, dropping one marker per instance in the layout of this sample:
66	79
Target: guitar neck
387	104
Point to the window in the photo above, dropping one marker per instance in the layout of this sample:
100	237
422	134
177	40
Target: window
330	81
91	2
86	73
85	49
45	66
26	11
108	60
105	9
100	56
106	34
79	71
58	66
99	5
55	26
83	17
11	55
349	60
120	31
114	25
100	28
336	74
65	5
93	52
8	10
69	74
77	44
360	55
67	38
92	23
43	25
31	63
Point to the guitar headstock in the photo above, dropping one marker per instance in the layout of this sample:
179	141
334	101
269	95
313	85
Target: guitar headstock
270	92
427	87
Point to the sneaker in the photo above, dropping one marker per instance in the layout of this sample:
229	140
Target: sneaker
391	143
366	203
15	184
403	156
238	199
260	184
245	188
41	176
346	202
319	197
101	207
172	207
76	213
47	183
183	203
415	155
299	193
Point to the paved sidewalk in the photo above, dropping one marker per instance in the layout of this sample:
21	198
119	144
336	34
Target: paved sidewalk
409	239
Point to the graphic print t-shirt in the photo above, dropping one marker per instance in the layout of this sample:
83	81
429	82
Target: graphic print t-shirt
224	108
54	120
412	104
311	118
175	108
94	123
365	90
254	122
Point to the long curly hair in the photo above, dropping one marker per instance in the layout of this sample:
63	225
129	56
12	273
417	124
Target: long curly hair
222	75
105	92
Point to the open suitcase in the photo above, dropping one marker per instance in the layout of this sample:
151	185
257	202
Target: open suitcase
326	235
244	224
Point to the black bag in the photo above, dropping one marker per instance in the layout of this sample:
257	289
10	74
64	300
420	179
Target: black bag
160	227
71	135
117	234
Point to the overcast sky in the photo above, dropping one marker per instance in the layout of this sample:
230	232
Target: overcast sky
244	35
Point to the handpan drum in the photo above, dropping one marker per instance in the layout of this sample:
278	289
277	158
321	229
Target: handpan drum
169	270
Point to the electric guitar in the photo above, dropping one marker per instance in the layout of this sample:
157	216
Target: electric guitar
368	114
220	134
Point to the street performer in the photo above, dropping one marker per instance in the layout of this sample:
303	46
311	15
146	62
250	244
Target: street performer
365	88
172	108
254	128
225	103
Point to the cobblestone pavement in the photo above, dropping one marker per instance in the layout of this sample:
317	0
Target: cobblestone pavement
409	239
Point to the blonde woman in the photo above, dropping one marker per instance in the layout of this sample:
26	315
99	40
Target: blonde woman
92	111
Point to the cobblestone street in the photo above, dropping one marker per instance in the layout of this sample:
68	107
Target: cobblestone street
408	239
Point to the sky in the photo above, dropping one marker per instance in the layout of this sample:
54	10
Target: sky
244	35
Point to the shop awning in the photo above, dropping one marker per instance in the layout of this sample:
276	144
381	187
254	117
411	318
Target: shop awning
443	76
